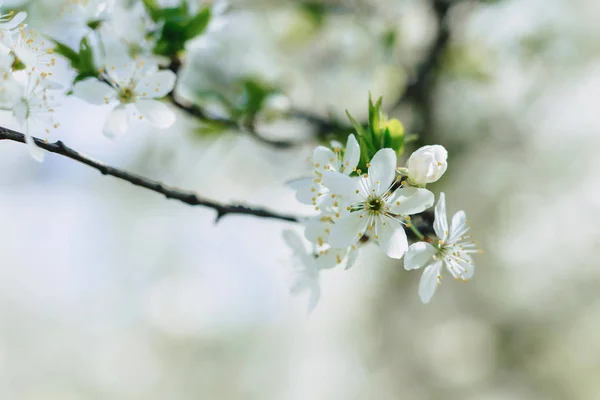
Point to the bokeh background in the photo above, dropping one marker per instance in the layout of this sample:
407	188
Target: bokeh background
108	291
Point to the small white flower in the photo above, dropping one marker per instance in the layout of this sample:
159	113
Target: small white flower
311	190
30	49
304	276
36	106
373	205
11	20
77	13
134	90
307	266
453	249
427	164
132	26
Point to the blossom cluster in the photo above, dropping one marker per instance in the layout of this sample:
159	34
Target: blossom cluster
114	67
378	205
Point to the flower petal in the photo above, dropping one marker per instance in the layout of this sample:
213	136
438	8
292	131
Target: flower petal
382	171
14	22
93	91
469	270
410	200
36	153
303	187
418	255
459	226
440	224
332	258
429	282
117	122
347	230
316	230
351	155
352	256
156	112
324	159
156	85
392	238
340	184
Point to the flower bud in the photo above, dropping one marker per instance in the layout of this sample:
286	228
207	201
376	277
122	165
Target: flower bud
427	164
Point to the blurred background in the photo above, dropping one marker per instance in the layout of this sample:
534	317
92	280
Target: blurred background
108	291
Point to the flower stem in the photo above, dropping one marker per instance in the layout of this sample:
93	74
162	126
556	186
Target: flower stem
414	229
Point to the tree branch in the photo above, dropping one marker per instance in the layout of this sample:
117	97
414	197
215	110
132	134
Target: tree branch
419	90
424	222
186	197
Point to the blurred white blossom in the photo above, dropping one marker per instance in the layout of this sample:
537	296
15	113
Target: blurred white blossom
133	88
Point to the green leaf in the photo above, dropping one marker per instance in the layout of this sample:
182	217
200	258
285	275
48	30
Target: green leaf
86	59
315	11
66	52
360	131
389	39
197	25
153	9
93	25
374	121
254	95
172	39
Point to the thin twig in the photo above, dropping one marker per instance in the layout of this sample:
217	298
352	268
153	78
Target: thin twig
169	192
187	197
420	90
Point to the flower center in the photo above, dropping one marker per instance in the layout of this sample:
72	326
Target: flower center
126	95
374	204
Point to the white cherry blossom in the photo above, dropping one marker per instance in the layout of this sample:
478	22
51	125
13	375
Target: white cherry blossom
311	190
35	107
31	49
453	250
133	90
374	205
304	274
427	164
307	266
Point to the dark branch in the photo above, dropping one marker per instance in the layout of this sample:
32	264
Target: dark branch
187	197
424	222
199	113
420	89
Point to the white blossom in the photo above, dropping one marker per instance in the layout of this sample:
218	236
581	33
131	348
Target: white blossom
78	13
304	274
453	250
374	205
31	49
35	107
311	190
131	26
307	266
427	164
134	90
